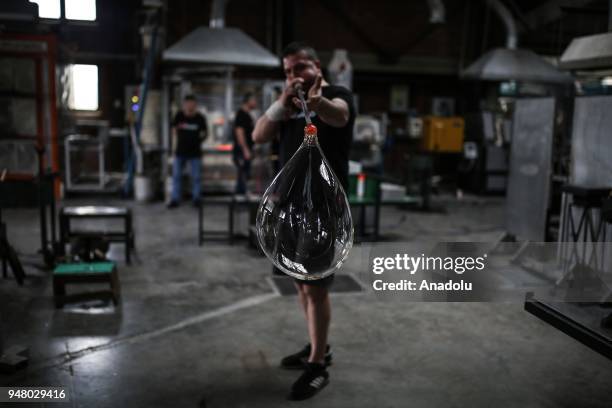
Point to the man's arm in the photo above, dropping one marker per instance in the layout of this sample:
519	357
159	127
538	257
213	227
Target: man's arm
265	129
267	125
334	112
174	133
241	140
204	131
173	141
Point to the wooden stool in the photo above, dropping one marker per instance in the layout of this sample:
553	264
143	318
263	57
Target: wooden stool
96	272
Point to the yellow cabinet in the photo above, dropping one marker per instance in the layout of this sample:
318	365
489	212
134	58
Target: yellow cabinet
442	134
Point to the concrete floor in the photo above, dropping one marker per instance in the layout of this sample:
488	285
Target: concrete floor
202	327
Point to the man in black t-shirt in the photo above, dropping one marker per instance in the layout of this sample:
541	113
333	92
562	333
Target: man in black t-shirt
243	141
332	111
188	131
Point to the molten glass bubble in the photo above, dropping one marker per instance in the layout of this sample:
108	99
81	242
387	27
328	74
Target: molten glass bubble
304	223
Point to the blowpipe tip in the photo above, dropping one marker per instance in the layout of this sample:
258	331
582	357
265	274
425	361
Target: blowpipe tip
310	129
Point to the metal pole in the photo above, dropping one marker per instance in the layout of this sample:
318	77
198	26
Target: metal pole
67	163
610	15
144	87
41	205
166	143
217	14
101	162
278	45
229	98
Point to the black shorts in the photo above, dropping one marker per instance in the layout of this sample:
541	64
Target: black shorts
324	283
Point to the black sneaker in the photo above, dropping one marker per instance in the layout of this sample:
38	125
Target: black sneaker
299	360
314	378
197	203
172	204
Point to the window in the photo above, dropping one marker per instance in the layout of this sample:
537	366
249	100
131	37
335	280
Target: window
83	83
48	8
80	9
73	9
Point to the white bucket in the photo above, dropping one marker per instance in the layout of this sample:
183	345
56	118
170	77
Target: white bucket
143	188
168	188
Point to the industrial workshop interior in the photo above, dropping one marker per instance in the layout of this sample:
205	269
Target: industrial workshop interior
325	203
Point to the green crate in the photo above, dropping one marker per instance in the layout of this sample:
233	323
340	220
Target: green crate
84	268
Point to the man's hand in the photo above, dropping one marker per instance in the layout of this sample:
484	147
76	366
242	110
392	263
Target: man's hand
289	94
246	153
334	112
314	96
267	125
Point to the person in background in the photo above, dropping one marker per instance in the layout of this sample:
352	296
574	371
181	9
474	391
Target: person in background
333	113
243	141
189	129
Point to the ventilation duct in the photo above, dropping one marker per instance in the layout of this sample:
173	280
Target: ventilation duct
512	63
591	52
219	45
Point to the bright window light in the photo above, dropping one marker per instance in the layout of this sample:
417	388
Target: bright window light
84	87
48	8
80	9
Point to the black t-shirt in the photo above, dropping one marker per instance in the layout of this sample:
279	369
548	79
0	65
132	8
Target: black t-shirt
335	142
245	121
188	130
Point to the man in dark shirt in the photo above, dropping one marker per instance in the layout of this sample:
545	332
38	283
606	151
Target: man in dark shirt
332	112
188	131
243	141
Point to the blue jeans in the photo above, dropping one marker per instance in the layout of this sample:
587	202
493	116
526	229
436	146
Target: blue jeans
195	165
244	172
